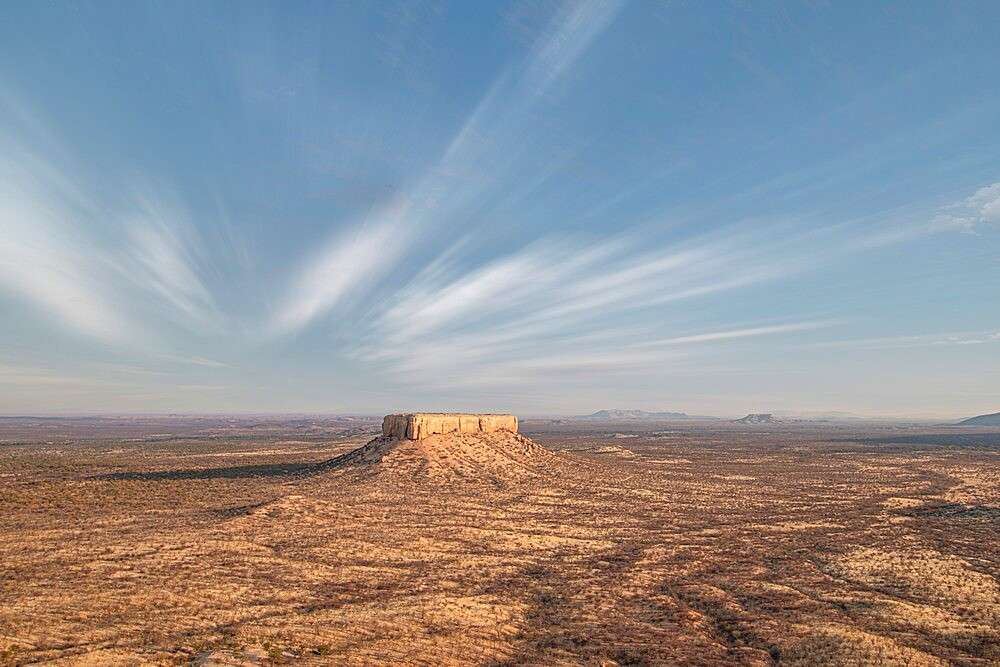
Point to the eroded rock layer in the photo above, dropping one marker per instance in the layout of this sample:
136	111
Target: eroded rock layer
417	426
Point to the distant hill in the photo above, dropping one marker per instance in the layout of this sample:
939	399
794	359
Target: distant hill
982	420
639	415
758	418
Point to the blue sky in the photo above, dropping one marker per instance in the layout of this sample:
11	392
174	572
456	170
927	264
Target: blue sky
540	207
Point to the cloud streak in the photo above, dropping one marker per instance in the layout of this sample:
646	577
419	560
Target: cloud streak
104	271
354	261
970	216
43	260
565	307
337	274
982	208
922	340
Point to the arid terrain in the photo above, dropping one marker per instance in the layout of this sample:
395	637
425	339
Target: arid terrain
174	541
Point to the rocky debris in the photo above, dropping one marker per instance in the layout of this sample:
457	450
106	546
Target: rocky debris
419	425
758	418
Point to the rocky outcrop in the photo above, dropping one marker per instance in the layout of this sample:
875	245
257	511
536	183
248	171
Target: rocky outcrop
448	448
417	426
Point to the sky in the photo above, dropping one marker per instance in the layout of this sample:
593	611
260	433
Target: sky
539	207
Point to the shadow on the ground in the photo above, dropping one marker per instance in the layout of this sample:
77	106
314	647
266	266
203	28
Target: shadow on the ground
939	439
960	511
231	472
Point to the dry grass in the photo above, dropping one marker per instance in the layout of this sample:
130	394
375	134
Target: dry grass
703	546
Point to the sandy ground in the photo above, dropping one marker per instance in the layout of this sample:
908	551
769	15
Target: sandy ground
686	545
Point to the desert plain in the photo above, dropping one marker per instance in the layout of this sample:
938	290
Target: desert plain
277	541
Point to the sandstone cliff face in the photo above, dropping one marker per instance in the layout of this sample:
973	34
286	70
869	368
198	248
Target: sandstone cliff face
422	424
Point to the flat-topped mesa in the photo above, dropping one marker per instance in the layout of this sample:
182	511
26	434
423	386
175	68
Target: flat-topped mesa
419	425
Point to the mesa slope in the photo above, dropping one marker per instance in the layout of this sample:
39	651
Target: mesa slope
439	448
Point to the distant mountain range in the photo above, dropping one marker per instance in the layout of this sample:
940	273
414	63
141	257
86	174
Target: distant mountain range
639	415
758	418
35	418
982	420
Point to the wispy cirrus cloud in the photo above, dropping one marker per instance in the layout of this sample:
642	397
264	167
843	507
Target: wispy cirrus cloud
337	274
44	261
920	340
105	270
982	208
968	216
558	307
160	257
575	27
469	361
354	261
192	360
751	332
